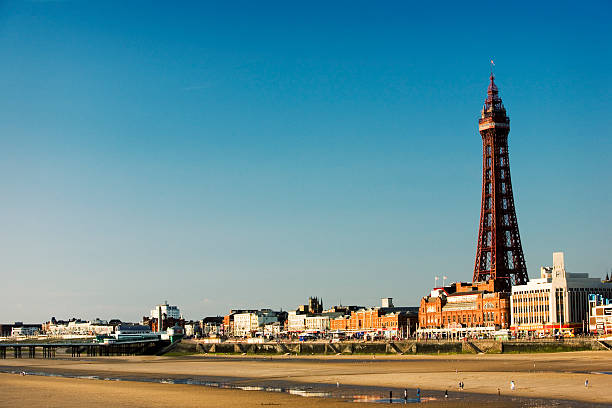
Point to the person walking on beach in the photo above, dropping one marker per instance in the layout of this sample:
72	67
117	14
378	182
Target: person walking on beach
586	383
512	385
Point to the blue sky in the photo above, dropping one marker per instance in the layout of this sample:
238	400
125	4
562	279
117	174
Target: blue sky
242	154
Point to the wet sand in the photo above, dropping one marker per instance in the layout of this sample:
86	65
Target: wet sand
555	376
35	391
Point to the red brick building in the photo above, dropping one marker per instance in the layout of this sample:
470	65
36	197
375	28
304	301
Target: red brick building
464	308
389	322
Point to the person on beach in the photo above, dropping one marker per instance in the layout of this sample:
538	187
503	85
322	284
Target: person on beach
512	385
445	393
586	383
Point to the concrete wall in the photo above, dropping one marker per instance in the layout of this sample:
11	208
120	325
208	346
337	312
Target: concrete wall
399	347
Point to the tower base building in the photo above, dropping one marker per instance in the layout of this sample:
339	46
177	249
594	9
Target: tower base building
464	310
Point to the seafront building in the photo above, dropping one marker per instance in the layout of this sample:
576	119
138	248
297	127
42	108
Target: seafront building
164	316
7	330
77	328
557	302
249	323
385	321
600	315
464	309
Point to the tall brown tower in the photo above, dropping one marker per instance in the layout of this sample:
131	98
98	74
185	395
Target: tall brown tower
499	254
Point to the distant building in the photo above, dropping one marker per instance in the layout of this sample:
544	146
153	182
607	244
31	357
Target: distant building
192	329
167	310
23	331
314	306
228	320
77	327
247	324
321	322
132	329
211	326
296	322
557	302
273	329
386	321
6	330
164	316
600	315
166	323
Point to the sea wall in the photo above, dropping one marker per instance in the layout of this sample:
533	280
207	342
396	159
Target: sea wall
395	347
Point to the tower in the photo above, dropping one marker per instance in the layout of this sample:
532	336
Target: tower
499	254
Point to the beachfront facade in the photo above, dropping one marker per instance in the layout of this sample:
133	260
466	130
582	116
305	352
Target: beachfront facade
463	309
399	322
557	302
247	324
77	328
600	315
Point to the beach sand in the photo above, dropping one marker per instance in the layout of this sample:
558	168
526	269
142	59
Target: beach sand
35	391
553	376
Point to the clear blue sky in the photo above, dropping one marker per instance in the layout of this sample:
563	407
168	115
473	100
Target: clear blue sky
253	154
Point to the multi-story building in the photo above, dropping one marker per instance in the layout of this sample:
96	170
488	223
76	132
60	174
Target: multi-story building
167	310
193	329
78	327
464	309
296	321
558	302
247	324
600	315
228	320
386	321
24	331
7	330
211	326
273	329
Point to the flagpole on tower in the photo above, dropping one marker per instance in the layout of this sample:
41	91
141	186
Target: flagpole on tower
492	65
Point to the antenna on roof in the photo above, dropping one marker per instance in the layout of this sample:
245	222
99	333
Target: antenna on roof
492	65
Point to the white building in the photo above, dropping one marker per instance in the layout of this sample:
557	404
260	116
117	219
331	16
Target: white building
24	331
273	329
165	309
211	326
296	322
79	328
555	303
192	329
246	324
319	323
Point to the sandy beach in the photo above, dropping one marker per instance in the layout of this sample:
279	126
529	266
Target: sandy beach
558	376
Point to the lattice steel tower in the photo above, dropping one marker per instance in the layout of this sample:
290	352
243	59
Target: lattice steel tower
499	254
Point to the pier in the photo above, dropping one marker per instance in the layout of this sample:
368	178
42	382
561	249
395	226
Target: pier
49	350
